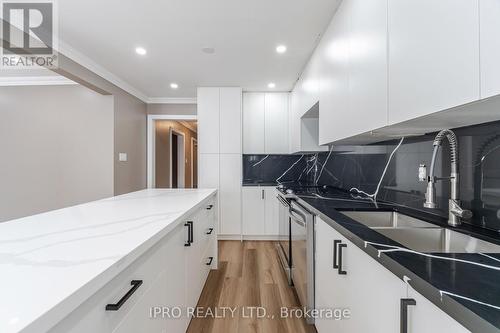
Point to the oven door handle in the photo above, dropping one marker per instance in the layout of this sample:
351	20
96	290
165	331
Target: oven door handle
283	201
297	218
299	214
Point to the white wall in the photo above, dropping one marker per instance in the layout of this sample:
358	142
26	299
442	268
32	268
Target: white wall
56	148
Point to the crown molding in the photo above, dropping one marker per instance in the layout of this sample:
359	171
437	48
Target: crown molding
88	63
172	100
35	81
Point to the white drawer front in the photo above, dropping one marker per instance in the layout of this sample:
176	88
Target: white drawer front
92	316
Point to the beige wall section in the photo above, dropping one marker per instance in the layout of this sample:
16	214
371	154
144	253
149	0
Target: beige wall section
130	137
56	148
172	109
162	152
130	126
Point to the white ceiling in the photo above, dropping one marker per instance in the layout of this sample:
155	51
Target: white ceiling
244	34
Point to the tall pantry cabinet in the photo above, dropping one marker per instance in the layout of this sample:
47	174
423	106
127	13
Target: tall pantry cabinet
220	152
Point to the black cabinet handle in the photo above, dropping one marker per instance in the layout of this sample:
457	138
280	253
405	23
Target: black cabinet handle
189	224
263	195
115	307
210	230
336	242
210	259
341	246
210	207
403	319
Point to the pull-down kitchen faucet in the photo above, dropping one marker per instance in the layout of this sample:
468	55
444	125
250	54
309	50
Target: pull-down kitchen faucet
455	211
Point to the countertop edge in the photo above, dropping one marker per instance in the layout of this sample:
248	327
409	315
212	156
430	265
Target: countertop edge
57	313
458	312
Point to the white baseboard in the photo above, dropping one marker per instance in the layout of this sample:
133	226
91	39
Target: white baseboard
229	237
261	237
249	237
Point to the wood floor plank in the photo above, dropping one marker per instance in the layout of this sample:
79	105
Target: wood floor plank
209	298
249	276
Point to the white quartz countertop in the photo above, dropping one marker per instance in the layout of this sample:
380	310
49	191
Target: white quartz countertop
50	263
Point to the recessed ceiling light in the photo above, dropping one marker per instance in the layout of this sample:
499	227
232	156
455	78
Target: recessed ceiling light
174	85
281	48
208	50
140	51
271	85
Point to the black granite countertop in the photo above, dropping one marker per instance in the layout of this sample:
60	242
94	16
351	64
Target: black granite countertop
466	286
258	183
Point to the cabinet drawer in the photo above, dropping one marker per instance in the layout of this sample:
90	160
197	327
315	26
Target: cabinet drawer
91	316
139	318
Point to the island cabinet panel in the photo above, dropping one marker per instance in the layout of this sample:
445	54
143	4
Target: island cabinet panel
172	272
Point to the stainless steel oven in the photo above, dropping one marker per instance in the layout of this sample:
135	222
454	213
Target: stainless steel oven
283	246
302	254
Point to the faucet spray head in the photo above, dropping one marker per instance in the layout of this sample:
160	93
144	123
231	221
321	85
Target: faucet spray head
430	195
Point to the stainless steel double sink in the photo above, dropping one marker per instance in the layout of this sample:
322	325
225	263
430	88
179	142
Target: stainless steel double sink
421	236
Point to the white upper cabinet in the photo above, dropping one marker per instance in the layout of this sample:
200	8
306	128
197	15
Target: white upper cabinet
353	82
276	123
230	120
490	47
433	56
294	124
367	67
308	84
253	123
265	123
304	115
334	81
208	120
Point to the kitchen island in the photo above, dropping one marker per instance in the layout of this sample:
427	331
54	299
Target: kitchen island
61	269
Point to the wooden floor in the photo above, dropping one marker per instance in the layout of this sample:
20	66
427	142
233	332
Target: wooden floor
249	275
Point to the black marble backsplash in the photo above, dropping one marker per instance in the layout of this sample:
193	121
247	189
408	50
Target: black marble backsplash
360	168
272	169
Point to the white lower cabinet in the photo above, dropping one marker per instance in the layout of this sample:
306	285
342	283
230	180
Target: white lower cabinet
370	293
260	212
172	275
425	317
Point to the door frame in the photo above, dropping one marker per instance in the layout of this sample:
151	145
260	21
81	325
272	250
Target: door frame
193	141
151	141
181	158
